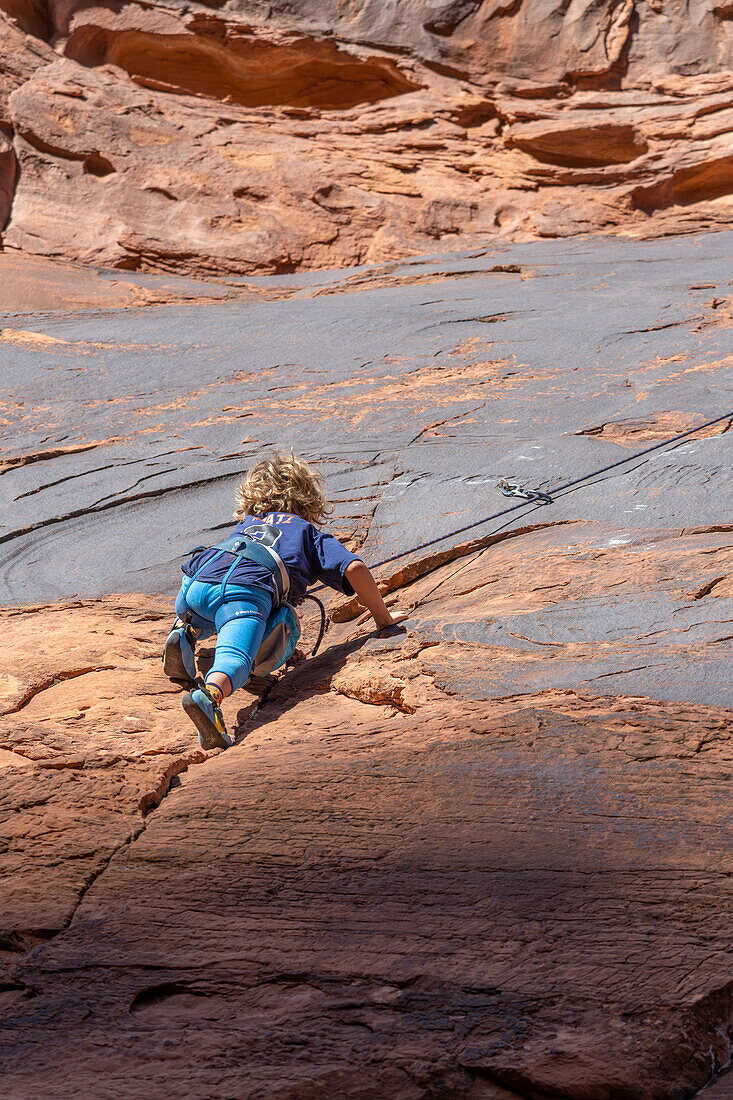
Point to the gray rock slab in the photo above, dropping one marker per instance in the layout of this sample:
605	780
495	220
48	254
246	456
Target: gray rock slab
415	395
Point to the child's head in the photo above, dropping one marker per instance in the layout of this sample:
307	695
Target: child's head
282	483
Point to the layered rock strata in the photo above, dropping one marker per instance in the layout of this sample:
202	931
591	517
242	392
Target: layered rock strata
256	138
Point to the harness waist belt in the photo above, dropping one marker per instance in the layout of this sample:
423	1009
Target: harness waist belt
251	550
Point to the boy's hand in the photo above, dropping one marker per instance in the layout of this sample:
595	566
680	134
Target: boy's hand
394	620
369	595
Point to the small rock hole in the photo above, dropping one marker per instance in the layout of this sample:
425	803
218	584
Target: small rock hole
97	165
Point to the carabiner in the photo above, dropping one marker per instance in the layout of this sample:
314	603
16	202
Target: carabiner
514	489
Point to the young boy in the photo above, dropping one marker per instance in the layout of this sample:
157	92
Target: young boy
276	550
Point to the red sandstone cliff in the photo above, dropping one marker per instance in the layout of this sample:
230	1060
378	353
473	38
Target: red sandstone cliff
252	137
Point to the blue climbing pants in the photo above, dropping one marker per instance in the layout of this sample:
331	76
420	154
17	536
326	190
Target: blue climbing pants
237	614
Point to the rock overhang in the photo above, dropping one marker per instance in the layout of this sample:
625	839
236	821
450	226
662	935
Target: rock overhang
313	138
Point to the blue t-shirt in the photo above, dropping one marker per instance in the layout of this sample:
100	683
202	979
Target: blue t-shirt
308	554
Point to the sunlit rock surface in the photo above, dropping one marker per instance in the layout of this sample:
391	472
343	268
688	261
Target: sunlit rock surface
245	137
486	857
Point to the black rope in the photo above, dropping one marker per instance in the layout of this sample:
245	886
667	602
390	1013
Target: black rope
465	562
322	631
558	489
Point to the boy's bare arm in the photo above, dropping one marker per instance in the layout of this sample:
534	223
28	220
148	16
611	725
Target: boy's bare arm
368	594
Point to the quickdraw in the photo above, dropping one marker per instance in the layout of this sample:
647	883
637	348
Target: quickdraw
513	489
542	498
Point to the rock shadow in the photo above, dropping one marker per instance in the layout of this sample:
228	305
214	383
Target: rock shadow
309	676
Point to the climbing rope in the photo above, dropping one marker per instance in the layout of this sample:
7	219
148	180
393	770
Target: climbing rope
322	631
539	499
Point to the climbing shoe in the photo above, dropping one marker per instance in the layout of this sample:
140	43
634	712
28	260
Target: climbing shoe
207	718
179	660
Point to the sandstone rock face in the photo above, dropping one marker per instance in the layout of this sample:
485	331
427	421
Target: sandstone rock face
487	856
245	137
399	883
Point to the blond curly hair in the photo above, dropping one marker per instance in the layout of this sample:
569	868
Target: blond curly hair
283	483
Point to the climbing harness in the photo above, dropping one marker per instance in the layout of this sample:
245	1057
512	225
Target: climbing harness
249	549
283	629
512	489
538	498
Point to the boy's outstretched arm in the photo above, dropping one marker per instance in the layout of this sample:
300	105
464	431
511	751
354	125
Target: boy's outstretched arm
368	594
